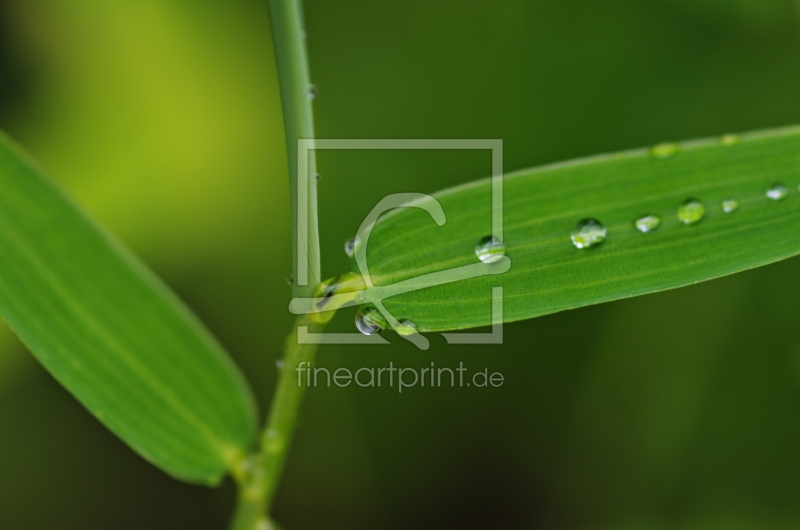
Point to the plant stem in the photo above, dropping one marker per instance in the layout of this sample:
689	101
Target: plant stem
288	36
259	476
258	480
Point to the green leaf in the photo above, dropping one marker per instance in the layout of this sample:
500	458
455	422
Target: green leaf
111	333
541	207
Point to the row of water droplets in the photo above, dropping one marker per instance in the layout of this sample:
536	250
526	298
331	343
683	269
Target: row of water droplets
587	233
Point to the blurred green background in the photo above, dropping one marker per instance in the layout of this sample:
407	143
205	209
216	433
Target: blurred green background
162	117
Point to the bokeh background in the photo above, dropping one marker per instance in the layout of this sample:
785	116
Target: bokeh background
162	118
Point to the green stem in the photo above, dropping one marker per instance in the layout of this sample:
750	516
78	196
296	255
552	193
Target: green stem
288	36
259	476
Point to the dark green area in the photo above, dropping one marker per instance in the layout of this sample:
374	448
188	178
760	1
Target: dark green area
675	410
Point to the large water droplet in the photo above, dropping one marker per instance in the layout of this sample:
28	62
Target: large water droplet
350	246
777	192
588	233
490	249
312	91
406	328
691	211
730	205
729	139
664	150
648	223
370	321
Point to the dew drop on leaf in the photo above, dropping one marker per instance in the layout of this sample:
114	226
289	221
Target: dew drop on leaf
777	192
369	321
648	223
490	249
588	233
730	205
691	211
406	328
312	92
664	150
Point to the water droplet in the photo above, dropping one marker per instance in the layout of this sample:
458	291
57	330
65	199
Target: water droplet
691	211
279	364
588	233
648	223
370	321
406	328
777	192
312	92
350	246
729	139
490	249
664	150
317	176
730	205
351	284
290	280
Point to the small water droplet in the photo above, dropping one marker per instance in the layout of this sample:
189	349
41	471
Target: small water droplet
691	211
490	249
729	139
290	280
648	223
312	92
406	328
316	176
350	284
588	233
777	192
730	205
350	246
664	150
370	321
279	364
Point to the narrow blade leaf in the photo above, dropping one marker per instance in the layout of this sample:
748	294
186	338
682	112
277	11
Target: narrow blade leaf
549	273
113	334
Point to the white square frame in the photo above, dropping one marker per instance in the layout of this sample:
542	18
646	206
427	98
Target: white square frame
304	148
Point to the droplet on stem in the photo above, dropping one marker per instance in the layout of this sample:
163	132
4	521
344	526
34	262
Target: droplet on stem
350	246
